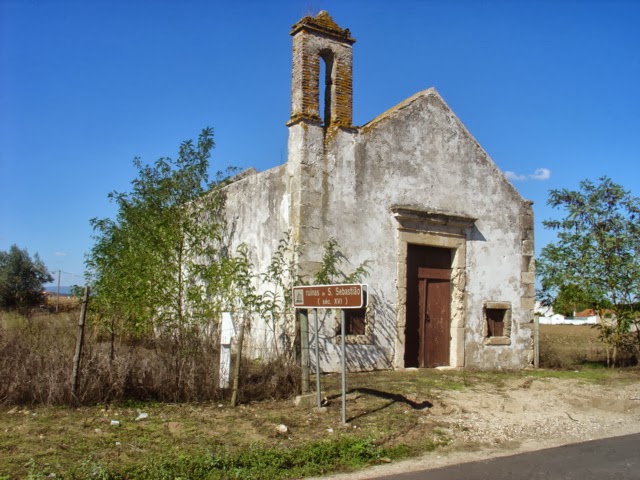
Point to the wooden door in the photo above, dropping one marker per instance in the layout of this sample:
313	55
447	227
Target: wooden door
427	331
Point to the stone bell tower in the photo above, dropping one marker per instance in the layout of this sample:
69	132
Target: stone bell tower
315	40
314	130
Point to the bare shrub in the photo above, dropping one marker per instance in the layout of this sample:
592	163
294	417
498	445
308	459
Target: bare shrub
276	379
35	365
148	371
629	350
551	357
36	362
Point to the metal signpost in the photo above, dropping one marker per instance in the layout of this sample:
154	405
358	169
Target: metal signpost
329	296
341	296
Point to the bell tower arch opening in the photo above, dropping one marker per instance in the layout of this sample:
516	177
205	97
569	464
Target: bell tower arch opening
325	80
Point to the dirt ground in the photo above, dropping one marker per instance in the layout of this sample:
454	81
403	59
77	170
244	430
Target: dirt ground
522	416
476	414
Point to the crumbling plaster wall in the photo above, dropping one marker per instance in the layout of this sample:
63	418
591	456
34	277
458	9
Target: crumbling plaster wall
343	183
258	212
257	209
419	154
336	212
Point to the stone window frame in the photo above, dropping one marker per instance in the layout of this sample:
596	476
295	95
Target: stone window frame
505	338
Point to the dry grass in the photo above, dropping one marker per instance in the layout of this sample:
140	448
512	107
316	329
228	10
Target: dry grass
36	356
36	363
388	411
570	346
384	408
63	303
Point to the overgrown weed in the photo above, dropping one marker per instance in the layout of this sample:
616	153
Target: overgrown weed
36	364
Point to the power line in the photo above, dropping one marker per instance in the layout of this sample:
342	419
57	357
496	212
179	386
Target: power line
66	273
72	274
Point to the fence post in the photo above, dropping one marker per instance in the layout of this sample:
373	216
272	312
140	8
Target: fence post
79	342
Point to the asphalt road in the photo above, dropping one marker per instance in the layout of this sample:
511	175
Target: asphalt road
611	458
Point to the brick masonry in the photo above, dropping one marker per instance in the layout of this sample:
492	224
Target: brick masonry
315	40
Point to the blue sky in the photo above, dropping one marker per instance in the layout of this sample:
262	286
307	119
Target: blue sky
549	89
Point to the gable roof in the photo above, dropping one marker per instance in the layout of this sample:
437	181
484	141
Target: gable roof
432	93
401	106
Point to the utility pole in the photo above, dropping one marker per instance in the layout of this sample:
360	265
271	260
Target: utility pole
58	296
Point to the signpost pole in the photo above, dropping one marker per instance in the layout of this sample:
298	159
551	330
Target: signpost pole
315	311
344	368
339	296
304	349
536	341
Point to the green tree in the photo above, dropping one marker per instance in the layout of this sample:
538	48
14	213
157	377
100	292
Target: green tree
597	251
330	271
21	279
153	266
569	300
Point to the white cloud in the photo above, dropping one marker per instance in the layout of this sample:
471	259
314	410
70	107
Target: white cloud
60	254
514	176
541	174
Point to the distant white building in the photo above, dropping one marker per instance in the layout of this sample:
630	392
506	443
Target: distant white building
555	319
548	317
586	317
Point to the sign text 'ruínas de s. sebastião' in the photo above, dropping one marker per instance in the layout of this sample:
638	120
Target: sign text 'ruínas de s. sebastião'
330	296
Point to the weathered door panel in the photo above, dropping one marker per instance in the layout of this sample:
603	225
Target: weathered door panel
435	318
427	331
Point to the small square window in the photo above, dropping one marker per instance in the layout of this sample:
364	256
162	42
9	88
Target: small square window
497	323
358	325
355	321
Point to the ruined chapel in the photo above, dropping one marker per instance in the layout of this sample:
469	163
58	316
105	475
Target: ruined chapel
447	238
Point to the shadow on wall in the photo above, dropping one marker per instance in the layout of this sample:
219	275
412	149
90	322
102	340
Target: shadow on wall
386	330
371	351
476	235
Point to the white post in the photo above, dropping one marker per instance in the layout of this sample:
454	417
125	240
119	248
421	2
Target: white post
226	335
